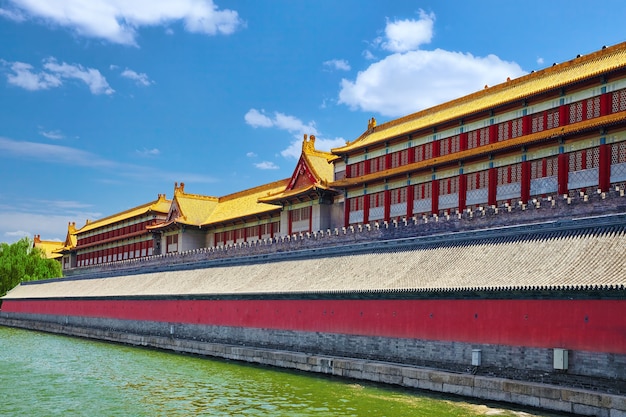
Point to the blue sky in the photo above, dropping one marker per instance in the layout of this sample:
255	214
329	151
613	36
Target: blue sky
106	103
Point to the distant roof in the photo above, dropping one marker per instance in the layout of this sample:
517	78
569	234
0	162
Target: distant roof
580	68
160	205
320	172
48	246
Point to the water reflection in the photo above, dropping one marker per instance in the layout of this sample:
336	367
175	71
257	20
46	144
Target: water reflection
47	375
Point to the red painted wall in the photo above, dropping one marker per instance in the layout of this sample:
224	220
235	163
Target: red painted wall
589	325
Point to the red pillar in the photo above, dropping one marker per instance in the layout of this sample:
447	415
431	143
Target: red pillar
409	201
526	124
346	211
563	116
463	141
525	192
434	193
387	210
563	172
605	104
493	133
492	186
366	208
462	191
604	179
289	222
436	148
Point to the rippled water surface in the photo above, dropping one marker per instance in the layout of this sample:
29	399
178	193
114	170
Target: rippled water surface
49	375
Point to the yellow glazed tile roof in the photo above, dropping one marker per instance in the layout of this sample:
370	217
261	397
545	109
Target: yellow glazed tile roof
319	163
578	69
244	203
193	208
49	247
161	205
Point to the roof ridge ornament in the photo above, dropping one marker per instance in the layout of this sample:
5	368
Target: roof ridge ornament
308	144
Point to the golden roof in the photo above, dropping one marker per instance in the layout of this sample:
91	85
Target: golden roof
245	203
584	67
160	205
318	163
193	209
49	247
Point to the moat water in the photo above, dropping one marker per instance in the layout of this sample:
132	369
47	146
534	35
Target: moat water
49	375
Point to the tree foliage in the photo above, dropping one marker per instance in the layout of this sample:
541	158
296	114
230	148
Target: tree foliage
21	262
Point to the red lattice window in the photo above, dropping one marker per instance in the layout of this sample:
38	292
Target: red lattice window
377	164
450	145
449	185
377	199
424	152
422	191
541	168
356	170
509	174
477	180
576	112
585	159
398	195
300	214
593	107
356	203
399	158
537	122
618	153
618	101
476	138
552	119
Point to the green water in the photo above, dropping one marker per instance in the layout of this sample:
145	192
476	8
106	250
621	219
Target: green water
49	375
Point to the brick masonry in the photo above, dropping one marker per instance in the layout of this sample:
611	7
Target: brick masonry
215	343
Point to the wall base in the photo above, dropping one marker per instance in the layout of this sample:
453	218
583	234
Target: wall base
544	396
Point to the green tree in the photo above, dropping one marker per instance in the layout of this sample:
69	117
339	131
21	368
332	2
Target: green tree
21	262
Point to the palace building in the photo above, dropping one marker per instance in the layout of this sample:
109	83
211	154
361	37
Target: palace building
552	133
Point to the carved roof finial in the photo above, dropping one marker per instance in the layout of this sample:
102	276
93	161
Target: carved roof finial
371	124
308	143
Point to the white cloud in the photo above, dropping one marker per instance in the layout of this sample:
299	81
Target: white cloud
367	54
92	77
256	118
148	152
54	74
118	21
52	134
411	79
540	60
251	155
68	156
266	165
12	15
408	35
25	77
295	127
139	78
337	64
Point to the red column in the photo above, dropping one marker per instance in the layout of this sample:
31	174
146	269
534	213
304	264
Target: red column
366	208
387	161
409	201
411	155
462	191
525	192
605	104
346	211
563	116
434	197
463	141
563	172
289	222
604	179
436	148
493	133
387	211
526	125
492	186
